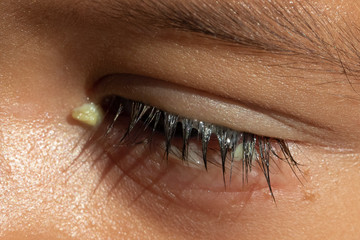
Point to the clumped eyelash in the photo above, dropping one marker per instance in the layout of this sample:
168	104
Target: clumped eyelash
255	148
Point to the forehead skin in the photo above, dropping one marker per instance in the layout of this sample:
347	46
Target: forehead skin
51	51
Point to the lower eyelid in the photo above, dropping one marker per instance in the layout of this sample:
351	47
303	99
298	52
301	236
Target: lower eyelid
193	188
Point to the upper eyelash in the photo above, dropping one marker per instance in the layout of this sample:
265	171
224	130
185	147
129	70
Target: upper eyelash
228	138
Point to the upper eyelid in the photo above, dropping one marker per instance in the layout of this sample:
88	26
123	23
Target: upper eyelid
207	107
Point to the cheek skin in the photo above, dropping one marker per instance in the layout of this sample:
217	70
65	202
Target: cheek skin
45	198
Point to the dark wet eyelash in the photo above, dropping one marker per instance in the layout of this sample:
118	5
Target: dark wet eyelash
146	117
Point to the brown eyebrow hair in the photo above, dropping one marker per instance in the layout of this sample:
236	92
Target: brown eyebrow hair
292	28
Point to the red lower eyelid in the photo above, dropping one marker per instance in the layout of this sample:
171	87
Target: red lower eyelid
193	188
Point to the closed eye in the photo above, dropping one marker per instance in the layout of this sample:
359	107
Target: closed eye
191	141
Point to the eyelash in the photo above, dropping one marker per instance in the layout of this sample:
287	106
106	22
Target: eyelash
254	148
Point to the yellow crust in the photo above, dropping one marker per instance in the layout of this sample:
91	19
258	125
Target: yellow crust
89	114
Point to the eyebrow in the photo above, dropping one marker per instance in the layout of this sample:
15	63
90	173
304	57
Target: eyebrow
291	28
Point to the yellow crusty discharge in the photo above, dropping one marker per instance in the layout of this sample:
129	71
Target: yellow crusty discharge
89	114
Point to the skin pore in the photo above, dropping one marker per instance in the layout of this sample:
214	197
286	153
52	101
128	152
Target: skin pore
283	69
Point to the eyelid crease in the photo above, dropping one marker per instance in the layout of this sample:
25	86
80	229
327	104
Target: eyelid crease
202	105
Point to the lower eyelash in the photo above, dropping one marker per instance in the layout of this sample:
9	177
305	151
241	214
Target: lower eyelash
253	148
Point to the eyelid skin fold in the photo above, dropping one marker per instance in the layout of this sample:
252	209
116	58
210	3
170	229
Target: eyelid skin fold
196	104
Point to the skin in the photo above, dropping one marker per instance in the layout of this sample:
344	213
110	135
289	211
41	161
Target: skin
47	66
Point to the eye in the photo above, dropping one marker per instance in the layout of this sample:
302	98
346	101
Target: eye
168	152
